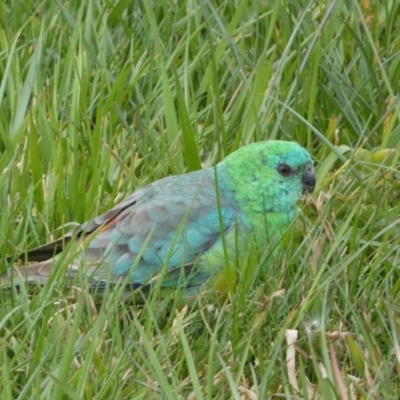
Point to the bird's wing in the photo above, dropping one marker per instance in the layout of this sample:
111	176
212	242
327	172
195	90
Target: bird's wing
152	228
168	232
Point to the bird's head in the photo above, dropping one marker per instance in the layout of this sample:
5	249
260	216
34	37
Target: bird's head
271	176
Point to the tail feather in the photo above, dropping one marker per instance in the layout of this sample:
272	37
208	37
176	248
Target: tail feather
34	273
44	252
39	273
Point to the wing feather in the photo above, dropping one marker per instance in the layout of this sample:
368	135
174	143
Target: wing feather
170	222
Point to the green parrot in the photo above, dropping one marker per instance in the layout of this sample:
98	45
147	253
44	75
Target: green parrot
185	229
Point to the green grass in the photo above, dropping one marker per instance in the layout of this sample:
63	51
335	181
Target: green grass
98	98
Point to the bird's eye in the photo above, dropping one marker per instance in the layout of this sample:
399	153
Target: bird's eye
285	170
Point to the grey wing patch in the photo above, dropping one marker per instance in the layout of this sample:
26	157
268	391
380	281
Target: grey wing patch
162	232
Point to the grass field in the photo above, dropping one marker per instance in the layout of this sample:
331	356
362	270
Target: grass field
98	98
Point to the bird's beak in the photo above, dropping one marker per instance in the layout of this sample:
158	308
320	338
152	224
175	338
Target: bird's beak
308	179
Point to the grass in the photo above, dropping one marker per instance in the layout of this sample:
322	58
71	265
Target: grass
98	98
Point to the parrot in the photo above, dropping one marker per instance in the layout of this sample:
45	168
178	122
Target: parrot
183	230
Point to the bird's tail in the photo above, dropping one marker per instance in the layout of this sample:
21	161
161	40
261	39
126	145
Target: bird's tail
37	273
